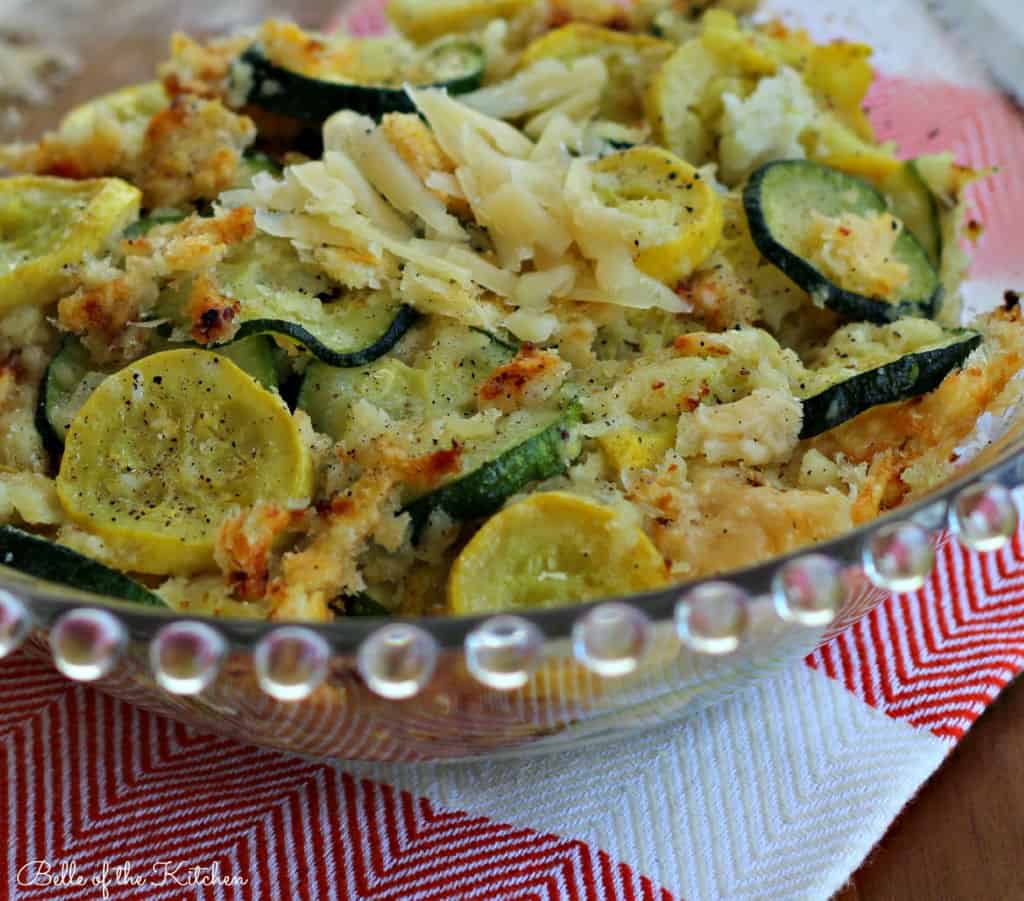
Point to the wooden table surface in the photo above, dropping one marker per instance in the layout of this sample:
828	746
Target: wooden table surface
962	838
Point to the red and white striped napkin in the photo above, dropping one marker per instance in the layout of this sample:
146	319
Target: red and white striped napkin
778	793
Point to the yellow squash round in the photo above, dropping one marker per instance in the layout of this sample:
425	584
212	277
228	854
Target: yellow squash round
50	225
165	448
425	20
652	183
550	549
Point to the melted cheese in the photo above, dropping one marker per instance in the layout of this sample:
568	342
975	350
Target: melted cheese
857	252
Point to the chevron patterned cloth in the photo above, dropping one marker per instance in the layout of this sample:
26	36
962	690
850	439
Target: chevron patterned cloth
778	793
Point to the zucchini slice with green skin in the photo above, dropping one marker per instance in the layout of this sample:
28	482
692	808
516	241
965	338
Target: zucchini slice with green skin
53	562
281	295
71	377
779	199
546	453
255	355
911	200
909	376
395	320
456	65
446	384
359	605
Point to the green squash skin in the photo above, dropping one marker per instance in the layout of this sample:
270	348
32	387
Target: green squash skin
857	307
403	321
53	441
287	93
363	605
912	201
484	491
910	376
53	562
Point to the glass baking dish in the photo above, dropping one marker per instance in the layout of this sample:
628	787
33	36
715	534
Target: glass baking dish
462	688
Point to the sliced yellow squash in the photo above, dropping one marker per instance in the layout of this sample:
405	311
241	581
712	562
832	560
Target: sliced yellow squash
133	106
674	99
656	187
550	549
50	225
627	448
425	20
739	49
632	61
165	448
840	75
836	144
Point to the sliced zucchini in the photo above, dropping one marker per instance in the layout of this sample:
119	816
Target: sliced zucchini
69	379
781	199
164	449
53	562
257	356
50	225
281	295
328	393
910	375
550	549
72	376
445	381
456	65
912	201
632	61
359	605
528	450
370	325
667	198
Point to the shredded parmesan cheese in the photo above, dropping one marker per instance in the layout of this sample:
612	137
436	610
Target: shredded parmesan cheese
357	210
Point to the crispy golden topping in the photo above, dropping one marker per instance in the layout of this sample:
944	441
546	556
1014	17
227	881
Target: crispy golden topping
245	543
108	301
192	151
328	566
213	315
198	68
531	377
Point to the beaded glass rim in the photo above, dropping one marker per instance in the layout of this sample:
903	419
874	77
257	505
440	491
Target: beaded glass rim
609	637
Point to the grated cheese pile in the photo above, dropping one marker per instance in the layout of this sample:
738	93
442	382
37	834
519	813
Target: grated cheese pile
371	220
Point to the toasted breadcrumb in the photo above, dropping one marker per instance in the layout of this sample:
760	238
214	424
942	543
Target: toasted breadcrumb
328	566
244	545
189	150
528	380
200	68
108	300
192	151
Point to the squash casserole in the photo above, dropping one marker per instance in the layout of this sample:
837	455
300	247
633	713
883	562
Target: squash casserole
532	302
